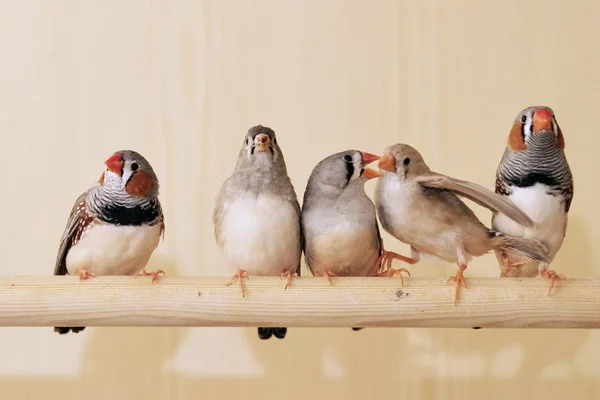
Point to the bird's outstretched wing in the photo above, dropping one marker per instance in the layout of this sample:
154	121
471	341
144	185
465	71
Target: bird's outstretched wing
478	194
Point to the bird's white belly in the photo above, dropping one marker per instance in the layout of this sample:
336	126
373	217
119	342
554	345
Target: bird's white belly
346	250
106	249
261	235
398	210
544	209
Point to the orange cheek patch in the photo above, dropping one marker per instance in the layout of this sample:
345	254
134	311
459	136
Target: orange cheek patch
101	180
560	140
140	184
515	139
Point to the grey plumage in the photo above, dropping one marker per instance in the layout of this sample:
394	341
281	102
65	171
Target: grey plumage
257	215
338	218
339	222
478	194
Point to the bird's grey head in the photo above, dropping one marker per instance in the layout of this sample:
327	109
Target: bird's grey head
260	149
403	161
129	174
535	126
342	170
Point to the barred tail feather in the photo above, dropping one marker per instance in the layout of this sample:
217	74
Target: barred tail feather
531	248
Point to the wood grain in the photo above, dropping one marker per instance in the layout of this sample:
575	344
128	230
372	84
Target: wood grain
309	302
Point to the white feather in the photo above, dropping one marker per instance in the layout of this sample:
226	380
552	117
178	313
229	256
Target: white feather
261	235
544	209
106	249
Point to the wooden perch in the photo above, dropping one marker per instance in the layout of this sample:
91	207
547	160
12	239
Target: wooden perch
308	302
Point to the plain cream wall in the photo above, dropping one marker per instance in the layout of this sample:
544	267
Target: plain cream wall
182	81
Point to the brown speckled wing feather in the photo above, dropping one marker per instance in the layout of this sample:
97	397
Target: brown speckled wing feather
500	187
77	223
478	194
568	193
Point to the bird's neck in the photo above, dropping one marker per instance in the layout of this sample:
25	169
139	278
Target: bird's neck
539	163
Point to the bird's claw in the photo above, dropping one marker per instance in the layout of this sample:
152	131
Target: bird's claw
553	276
387	257
459	281
328	276
511	264
289	276
153	274
83	274
241	274
391	272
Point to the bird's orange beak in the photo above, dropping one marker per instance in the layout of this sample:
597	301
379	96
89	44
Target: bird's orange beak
387	162
262	142
542	120
370	173
115	163
368	158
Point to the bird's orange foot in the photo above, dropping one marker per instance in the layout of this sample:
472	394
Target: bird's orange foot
83	274
153	274
391	272
553	276
459	281
241	274
384	262
289	276
328	276
511	264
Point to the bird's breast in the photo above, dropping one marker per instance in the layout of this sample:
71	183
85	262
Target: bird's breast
346	249
107	249
261	234
394	204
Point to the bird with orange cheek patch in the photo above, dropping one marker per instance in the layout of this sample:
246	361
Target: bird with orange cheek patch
421	208
534	174
115	226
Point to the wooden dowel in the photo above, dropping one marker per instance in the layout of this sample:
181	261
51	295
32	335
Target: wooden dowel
308	302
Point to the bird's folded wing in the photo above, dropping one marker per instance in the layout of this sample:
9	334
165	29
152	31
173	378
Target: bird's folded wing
73	224
480	195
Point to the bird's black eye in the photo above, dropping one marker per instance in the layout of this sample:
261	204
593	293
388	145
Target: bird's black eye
406	161
134	166
348	158
524	118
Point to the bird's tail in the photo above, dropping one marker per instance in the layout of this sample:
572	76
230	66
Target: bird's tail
266	333
531	248
63	330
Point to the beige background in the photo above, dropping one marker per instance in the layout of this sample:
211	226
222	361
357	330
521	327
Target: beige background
182	81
